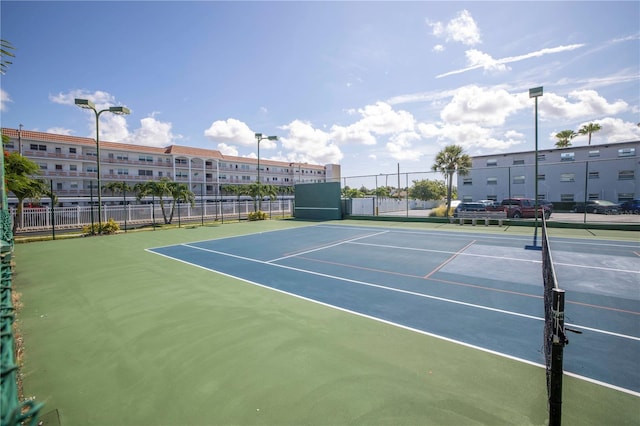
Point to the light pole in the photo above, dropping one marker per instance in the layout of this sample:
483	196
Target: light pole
118	110
259	138
536	92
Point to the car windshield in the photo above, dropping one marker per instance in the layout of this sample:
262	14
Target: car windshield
606	203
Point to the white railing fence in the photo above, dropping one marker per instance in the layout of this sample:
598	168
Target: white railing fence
75	217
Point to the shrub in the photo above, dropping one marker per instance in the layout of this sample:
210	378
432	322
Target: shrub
110	227
259	215
440	211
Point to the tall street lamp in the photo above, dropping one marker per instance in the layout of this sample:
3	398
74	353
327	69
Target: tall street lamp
118	110
260	137
536	92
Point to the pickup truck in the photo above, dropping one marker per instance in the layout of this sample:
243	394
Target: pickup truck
521	207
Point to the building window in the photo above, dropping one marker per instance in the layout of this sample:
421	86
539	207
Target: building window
122	157
467	198
595	153
182	174
567	177
566	197
72	150
246	178
492	197
58	167
145	172
625	196
73	167
492	163
594	175
626	152
518	162
542	157
567	156
593	196
518	179
181	161
467	181
123	171
36	147
542	177
626	175
92	169
145	159
73	185
43	166
492	181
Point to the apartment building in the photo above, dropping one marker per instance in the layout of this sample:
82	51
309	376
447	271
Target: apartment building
70	163
605	171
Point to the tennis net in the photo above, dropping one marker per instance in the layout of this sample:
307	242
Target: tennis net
554	332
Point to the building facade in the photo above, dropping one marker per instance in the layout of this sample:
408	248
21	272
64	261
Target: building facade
70	163
605	171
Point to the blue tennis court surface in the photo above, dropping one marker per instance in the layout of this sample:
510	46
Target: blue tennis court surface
480	290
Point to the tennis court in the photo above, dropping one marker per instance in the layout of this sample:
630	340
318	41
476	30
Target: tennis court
478	290
331	323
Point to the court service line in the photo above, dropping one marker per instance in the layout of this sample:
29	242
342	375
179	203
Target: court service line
450	259
450	252
602	268
412	293
394	324
462	284
349	240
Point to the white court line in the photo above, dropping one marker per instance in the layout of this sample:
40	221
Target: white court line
426	333
327	246
449	252
413	293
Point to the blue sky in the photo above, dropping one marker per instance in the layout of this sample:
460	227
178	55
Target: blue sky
368	85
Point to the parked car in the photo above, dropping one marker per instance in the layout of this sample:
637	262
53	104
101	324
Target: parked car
517	208
597	206
469	207
631	206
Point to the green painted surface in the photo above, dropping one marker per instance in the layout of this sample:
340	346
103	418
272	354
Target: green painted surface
118	336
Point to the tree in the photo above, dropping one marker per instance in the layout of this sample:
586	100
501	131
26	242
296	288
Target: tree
564	137
5	48
450	160
589	129
180	193
19	175
428	190
117	187
165	188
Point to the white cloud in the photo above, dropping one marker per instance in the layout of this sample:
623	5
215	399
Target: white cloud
376	119
588	104
4	99
612	130
400	147
462	29
60	131
438	48
235	132
488	107
228	149
307	144
152	133
477	59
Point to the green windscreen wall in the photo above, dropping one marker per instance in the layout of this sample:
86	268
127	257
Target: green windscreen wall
318	201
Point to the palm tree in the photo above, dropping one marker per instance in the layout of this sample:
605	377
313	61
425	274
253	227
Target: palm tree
18	173
116	187
564	137
5	46
450	160
588	129
158	189
180	192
